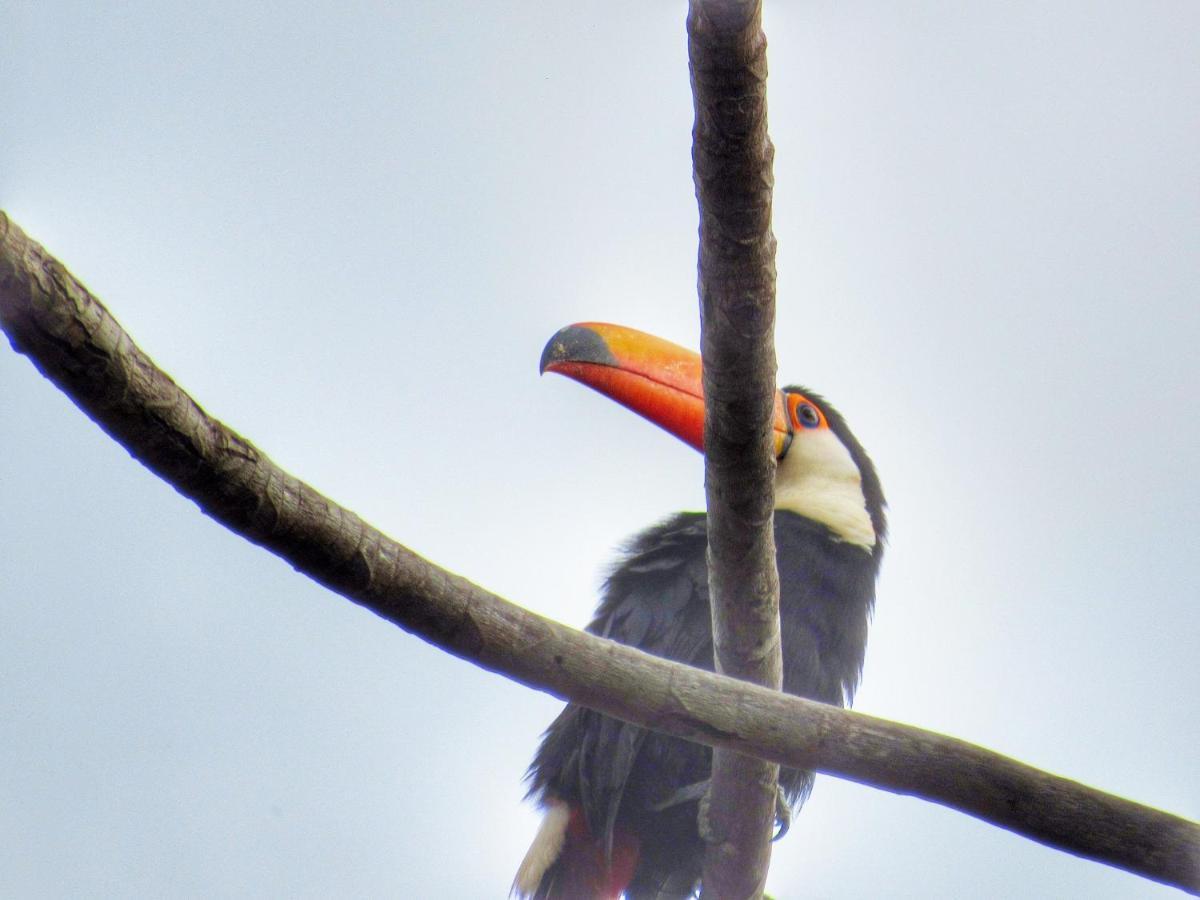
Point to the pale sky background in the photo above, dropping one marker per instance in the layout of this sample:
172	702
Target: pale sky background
348	230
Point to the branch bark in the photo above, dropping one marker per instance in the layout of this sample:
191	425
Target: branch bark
732	157
74	341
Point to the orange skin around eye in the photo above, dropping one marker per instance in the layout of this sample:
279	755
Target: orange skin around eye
794	402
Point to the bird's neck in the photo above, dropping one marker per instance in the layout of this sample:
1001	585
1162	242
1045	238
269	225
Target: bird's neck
819	480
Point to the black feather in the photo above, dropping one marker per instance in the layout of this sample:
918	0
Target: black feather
656	598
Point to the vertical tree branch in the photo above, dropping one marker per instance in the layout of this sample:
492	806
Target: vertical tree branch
732	157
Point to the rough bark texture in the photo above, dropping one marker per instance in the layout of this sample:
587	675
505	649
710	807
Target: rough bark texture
75	342
732	157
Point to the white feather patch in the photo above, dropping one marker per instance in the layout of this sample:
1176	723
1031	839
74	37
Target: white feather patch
819	480
547	845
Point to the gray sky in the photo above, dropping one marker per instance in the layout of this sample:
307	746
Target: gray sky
348	229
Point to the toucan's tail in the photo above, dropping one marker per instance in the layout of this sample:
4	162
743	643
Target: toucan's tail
565	862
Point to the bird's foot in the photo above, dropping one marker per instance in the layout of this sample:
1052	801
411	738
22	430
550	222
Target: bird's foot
703	824
783	813
690	794
686	794
699	791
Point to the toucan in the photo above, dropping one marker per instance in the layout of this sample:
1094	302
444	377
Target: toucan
620	802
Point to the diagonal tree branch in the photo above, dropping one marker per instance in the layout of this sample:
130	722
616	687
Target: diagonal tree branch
731	158
74	341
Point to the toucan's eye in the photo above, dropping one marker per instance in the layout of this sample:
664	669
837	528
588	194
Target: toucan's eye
807	415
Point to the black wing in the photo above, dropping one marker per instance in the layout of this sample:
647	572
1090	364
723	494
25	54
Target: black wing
655	599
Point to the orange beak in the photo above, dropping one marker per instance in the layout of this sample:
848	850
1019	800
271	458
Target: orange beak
658	380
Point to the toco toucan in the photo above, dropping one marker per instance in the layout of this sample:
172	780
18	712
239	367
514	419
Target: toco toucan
621	802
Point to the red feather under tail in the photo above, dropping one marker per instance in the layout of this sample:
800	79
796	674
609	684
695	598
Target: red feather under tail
566	863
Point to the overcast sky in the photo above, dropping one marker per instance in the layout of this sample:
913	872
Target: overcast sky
348	230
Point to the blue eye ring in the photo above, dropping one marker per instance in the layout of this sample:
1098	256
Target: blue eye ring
807	415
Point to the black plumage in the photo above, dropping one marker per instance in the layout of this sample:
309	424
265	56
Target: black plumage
656	598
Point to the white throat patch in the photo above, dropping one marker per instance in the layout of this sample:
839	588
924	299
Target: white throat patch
818	479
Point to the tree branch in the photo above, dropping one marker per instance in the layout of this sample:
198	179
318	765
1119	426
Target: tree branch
732	157
75	342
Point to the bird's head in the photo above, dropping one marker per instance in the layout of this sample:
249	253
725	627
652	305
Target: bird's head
822	473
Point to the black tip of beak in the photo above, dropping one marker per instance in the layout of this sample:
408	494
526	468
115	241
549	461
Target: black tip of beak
576	343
